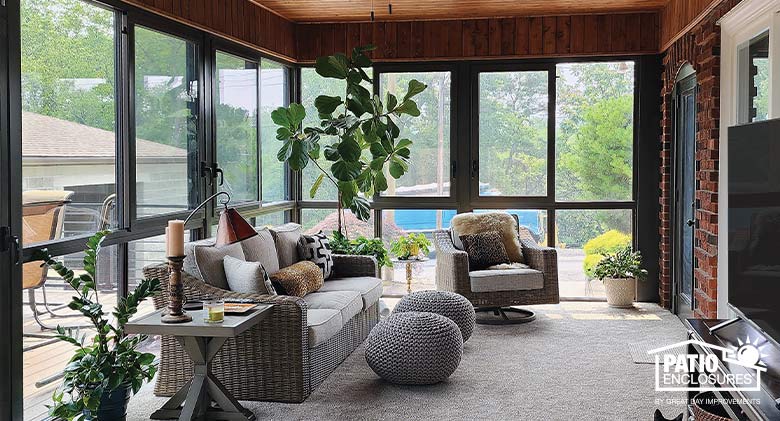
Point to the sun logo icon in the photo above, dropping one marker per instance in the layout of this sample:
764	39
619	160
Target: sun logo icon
748	353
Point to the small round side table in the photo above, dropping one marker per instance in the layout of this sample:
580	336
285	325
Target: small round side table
409	264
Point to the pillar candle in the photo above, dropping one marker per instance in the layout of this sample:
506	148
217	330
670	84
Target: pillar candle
175	238
167	242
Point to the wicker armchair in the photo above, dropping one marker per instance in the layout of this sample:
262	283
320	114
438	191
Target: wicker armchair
272	361
452	274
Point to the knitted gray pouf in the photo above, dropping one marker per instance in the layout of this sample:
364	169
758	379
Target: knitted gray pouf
449	304
414	348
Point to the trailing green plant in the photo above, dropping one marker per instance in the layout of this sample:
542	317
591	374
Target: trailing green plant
410	246
595	249
360	246
361	128
623	264
110	359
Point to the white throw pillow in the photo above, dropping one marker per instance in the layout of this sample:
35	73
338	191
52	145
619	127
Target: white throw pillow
247	277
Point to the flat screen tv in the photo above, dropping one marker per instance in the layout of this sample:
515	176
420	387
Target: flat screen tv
754	224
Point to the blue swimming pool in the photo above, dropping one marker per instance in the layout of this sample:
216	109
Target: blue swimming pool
425	220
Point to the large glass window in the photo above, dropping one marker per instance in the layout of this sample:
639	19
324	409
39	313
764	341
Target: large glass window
429	170
582	238
400	222
327	221
68	118
236	126
312	86
166	122
273	94
513	121
595	131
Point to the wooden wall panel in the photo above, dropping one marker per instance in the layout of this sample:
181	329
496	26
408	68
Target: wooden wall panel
678	16
243	22
581	35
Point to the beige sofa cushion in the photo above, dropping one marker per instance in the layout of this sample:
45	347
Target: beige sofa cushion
501	222
262	248
286	239
370	288
247	277
209	263
322	325
506	280
349	303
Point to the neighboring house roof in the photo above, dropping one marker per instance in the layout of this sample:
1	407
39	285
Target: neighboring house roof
44	137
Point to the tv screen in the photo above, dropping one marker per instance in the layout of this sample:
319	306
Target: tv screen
754	223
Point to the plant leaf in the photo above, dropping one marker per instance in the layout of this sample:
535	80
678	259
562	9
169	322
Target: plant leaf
415	87
327	104
349	150
316	186
346	171
334	66
281	117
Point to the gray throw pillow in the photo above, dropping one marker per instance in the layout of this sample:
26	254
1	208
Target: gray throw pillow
209	262
316	248
247	277
286	238
261	248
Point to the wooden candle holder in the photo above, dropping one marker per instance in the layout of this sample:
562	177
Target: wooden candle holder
175	313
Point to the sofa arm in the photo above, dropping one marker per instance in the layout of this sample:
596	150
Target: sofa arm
452	265
347	265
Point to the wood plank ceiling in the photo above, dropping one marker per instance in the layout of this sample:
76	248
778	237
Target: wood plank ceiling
359	10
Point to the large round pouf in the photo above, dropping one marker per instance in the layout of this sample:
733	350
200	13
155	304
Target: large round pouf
414	348
449	304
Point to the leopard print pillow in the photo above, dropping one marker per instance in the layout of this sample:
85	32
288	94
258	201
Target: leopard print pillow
484	249
298	279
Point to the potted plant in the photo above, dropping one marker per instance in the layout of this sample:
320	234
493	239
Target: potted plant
361	130
410	247
619	272
360	246
97	380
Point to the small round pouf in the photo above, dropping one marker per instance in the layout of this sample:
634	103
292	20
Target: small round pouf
449	304
414	348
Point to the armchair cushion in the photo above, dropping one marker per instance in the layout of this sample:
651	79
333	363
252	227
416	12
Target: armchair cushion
506	280
370	288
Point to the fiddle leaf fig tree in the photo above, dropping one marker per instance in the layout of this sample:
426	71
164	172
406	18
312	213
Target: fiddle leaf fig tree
358	135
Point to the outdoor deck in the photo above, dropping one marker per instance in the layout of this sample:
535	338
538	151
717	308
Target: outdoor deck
44	364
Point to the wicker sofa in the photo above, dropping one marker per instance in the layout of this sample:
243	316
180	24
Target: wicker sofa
453	274
287	355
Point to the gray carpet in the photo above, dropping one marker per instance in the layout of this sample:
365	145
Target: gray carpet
572	363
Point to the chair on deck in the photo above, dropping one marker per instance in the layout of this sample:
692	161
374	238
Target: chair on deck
42	217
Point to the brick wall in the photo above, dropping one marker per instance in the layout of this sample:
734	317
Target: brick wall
701	48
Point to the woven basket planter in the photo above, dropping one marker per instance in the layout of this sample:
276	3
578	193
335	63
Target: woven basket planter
620	292
702	411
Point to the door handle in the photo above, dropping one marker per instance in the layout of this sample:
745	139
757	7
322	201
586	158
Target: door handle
17	250
206	172
218	173
474	168
690	222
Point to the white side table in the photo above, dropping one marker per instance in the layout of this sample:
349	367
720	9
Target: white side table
201	341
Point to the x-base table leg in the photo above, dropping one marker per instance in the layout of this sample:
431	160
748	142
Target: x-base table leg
204	388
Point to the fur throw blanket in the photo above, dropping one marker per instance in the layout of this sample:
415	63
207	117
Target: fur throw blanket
502	223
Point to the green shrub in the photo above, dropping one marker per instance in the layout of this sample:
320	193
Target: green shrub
610	242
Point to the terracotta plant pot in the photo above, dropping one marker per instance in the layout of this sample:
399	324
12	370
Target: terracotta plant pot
620	291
